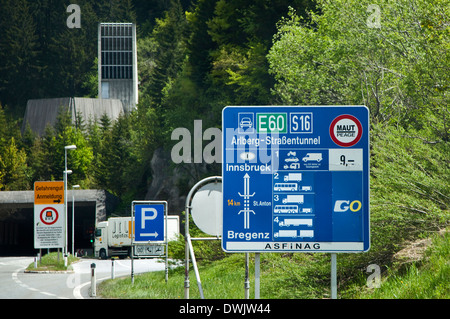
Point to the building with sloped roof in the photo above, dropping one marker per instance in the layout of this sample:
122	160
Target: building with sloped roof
42	112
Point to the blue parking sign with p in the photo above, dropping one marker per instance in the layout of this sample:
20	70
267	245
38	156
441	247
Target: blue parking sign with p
149	222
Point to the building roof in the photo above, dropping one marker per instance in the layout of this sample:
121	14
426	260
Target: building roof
42	112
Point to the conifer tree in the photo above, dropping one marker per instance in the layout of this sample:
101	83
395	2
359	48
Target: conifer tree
19	66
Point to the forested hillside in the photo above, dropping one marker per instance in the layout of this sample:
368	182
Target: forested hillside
195	57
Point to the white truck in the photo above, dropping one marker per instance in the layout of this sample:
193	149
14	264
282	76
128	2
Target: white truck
293	199
297	177
296	222
312	157
293	233
113	237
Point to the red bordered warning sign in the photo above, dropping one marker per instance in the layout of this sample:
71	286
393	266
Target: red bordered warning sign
49	226
49	216
346	130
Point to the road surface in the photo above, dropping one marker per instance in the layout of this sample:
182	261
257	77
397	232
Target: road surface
15	283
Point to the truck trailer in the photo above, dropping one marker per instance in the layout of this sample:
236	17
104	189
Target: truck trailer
295	222
296	177
298	199
113	237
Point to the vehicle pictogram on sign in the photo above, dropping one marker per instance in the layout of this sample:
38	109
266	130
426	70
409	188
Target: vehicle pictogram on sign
49	216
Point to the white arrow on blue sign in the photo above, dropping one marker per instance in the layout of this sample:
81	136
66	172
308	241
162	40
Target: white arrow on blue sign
149	222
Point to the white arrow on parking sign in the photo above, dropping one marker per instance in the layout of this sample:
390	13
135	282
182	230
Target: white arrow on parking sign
155	234
144	218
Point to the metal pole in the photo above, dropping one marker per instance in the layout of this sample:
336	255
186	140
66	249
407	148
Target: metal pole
247	281
187	239
186	255
65	201
167	249
73	223
186	271
132	243
333	276
194	264
257	274
132	267
67	147
93	281
112	268
167	263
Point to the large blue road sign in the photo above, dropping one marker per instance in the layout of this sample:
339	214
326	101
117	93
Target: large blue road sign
149	222
295	178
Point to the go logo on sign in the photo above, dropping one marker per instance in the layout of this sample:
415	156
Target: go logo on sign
341	206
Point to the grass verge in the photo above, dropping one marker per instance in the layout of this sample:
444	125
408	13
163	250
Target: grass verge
293	276
428	278
408	201
221	279
50	262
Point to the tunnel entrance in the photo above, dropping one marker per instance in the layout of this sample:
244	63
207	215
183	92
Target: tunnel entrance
84	228
17	219
17	231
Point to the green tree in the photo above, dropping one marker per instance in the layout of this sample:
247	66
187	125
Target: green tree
115	158
147	49
72	51
200	44
49	152
13	168
169	34
115	10
19	63
4	130
242	31
398	67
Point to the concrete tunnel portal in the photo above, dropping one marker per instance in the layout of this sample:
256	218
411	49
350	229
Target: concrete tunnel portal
17	219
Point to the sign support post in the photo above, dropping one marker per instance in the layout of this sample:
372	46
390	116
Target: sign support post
149	229
133	231
189	249
333	276
257	275
132	265
247	281
167	257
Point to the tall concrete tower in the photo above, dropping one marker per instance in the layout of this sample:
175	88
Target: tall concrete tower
117	63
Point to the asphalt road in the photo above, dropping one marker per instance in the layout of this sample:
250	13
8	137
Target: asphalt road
16	284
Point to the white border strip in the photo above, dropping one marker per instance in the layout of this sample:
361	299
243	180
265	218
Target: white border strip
242	246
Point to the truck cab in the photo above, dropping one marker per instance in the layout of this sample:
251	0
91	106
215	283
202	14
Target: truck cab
100	241
112	238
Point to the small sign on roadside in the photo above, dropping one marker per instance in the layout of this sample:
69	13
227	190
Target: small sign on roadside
49	219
